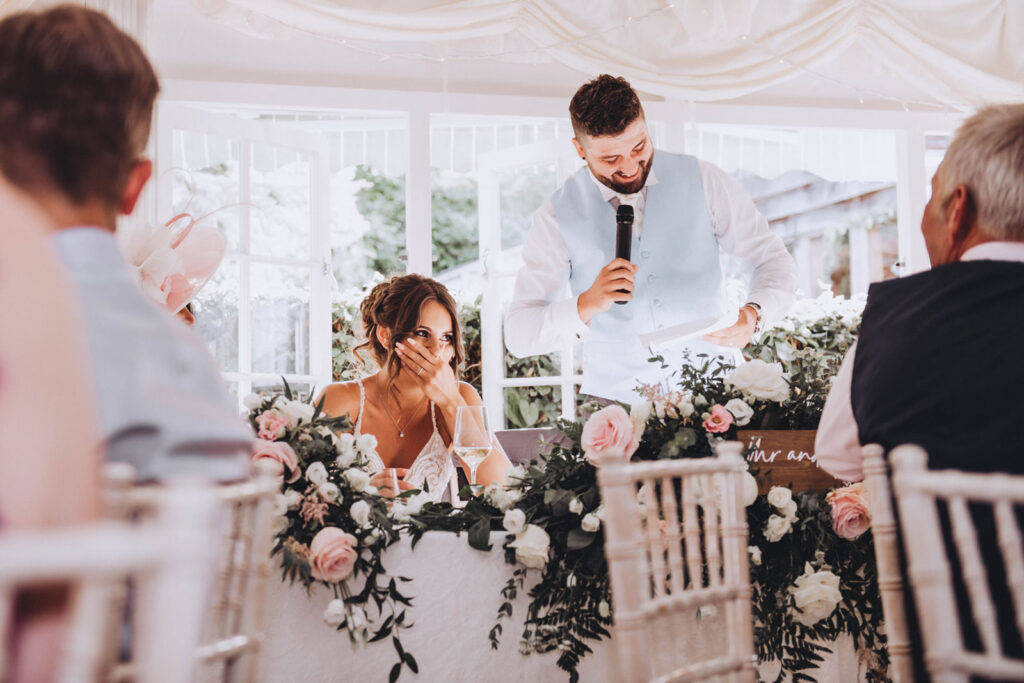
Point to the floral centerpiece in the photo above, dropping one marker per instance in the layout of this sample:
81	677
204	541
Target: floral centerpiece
811	553
331	525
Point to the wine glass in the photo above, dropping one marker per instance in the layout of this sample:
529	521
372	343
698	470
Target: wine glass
473	440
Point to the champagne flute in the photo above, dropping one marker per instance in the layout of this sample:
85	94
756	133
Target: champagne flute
473	440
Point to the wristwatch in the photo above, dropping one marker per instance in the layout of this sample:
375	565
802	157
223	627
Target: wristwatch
759	322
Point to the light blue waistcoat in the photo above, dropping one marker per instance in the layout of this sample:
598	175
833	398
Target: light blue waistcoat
679	278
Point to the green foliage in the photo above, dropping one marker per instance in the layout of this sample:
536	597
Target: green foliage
453	216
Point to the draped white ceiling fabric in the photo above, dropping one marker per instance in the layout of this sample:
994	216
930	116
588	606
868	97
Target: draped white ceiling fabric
957	53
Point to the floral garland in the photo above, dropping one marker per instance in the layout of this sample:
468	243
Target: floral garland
331	525
812	559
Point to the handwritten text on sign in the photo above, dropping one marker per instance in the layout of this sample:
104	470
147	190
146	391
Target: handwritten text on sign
785	458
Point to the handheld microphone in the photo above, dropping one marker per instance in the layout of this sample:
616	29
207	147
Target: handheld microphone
623	235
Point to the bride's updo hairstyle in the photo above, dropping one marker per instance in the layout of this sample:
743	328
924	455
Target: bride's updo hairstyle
395	304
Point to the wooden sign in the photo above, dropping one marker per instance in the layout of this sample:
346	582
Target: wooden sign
782	457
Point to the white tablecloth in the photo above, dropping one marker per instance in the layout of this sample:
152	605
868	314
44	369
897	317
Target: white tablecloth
456	594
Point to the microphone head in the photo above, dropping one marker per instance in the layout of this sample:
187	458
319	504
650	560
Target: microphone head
624	214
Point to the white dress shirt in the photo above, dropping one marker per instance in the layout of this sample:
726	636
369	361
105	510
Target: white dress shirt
837	445
543	313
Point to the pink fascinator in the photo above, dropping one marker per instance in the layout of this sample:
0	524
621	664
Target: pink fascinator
174	260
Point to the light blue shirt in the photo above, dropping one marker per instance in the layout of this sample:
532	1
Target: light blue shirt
162	405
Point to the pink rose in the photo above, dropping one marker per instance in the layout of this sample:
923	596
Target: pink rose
272	424
719	420
332	555
280	454
609	434
850	514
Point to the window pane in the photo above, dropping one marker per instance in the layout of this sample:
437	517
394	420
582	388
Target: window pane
300	390
280	319
205	181
523	190
532	406
216	312
281	217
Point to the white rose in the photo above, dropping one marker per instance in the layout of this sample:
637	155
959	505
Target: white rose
532	547
755	554
280	505
685	406
815	595
372	537
741	412
327	434
357	479
414	504
279	524
335	613
360	513
515	476
292	498
659	408
345	444
749	489
639	413
500	497
575	506
514	521
604	609
316	474
590	522
776	528
400	511
789	510
763	381
699	401
357	621
330	491
780	496
252	401
366	444
295	411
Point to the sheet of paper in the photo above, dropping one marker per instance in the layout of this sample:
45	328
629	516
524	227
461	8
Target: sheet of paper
658	340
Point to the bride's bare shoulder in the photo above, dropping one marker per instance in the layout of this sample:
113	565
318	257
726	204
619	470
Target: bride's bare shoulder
342	398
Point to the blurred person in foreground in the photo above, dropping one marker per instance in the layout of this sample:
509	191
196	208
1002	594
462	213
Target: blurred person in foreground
76	103
937	361
41	449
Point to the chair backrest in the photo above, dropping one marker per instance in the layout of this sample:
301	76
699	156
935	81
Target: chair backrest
234	622
676	556
169	558
918	492
887	558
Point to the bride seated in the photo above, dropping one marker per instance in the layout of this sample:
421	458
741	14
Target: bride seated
410	404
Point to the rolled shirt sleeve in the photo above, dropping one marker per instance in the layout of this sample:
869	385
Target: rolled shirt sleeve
744	233
543	313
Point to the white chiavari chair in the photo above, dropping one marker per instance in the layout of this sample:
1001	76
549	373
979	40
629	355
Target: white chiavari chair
232	635
169	558
918	492
680	554
887	558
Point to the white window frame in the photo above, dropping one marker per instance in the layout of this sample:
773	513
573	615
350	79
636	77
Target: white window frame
171	117
910	128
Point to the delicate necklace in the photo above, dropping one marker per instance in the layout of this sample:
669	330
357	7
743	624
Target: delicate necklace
399	428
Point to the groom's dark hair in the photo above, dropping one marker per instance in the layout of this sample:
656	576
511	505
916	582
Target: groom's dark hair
76	102
604	106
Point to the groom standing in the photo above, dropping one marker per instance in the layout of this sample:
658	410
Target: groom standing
76	101
686	213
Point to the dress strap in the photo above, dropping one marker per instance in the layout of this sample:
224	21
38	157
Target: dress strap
433	418
362	403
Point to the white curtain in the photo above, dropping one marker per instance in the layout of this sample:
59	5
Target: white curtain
958	53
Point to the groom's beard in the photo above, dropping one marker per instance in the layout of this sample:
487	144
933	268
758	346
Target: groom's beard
634	185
